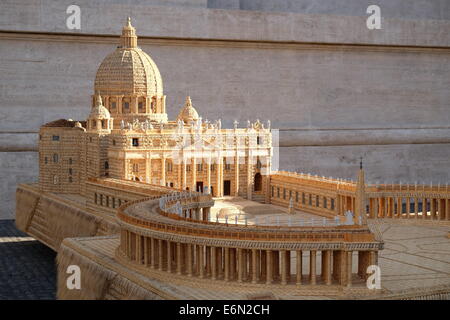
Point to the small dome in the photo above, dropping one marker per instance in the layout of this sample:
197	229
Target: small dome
188	113
128	70
99	111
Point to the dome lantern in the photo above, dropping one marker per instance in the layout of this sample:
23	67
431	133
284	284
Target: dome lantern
128	38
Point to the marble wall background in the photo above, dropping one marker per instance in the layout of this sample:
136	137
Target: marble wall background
336	90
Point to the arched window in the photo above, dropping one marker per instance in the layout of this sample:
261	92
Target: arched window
55	158
258	182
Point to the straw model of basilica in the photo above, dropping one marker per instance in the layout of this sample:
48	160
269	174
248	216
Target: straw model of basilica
129	195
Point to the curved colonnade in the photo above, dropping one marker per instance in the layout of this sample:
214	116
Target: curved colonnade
188	244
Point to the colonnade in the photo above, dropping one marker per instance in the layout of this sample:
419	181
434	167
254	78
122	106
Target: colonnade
257	266
416	207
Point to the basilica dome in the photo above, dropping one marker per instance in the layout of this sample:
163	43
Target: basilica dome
128	70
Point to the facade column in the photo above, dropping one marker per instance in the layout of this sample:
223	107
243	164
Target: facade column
148	167
299	266
194	173
208	174
218	176
183	172
312	266
179	176
163	170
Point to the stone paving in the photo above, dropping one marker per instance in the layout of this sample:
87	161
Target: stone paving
27	267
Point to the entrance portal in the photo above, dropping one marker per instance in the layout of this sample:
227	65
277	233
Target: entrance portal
258	182
199	186
226	187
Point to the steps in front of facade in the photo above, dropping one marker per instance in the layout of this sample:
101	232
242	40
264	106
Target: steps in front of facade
39	227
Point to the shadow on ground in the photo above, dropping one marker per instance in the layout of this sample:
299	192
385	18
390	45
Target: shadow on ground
27	267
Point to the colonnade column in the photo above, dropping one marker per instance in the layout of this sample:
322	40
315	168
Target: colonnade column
424	208
255	266
146	251
326	266
269	267
179	260
299	267
214	263
447	209
153	253
241	264
190	254
416	207
169	256
160	254
349	268
285	272
201	261
227	264
399	207
312	266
